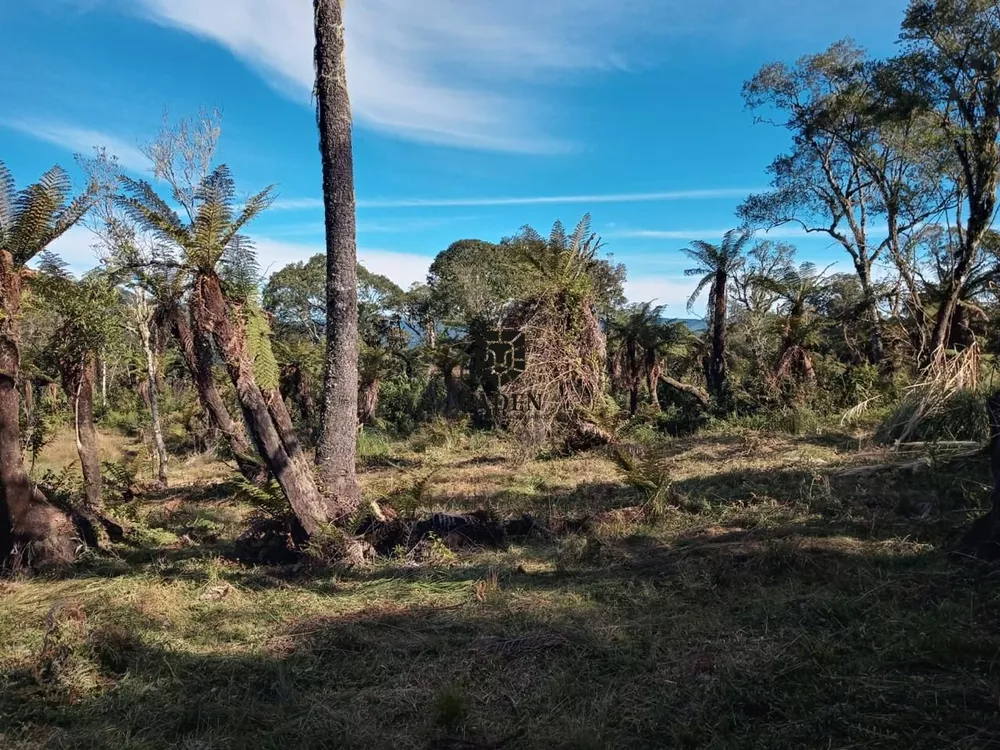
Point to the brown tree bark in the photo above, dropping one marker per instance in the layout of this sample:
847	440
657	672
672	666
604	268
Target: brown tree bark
653	378
296	386
337	449
78	383
274	437
368	402
699	395
196	349
149	346
28	524
716	371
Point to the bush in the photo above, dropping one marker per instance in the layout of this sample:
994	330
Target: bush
126	422
440	433
962	416
681	421
404	403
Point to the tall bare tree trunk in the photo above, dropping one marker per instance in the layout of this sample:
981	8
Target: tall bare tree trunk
154	410
337	448
28	524
278	447
368	404
78	382
196	349
716	374
143	313
653	378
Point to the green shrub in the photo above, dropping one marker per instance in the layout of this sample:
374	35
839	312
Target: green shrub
962	416
373	444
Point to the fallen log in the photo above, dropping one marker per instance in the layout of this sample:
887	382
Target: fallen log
699	395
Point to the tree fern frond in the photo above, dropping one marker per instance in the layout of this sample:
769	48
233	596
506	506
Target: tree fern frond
581	231
702	283
8	197
218	188
239	269
254	206
265	366
68	217
700	271
50	264
144	206
33	211
557	237
530	235
56	184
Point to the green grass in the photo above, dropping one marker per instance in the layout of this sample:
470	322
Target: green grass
773	604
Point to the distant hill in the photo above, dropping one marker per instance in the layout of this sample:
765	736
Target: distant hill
695	324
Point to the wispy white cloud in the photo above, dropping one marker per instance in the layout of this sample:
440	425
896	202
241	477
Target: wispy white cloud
80	140
382	226
452	72
292	204
77	249
402	268
296	204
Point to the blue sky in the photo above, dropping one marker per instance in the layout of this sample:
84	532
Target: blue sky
472	117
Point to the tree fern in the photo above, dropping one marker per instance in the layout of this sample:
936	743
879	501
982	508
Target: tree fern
32	218
267	498
265	365
7	199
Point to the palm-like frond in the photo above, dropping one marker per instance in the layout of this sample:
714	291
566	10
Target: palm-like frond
703	253
702	283
254	206
557	238
238	267
581	233
7	199
144	206
34	209
31	219
213	236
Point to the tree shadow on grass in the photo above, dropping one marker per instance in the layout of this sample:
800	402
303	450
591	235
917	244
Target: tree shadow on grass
195	493
697	659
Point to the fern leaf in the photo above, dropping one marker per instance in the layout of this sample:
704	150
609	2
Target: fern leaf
265	366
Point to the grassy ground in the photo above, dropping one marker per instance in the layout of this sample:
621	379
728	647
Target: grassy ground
763	602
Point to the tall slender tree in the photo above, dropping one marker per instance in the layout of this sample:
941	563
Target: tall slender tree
337	449
952	59
29	221
715	265
634	342
86	313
